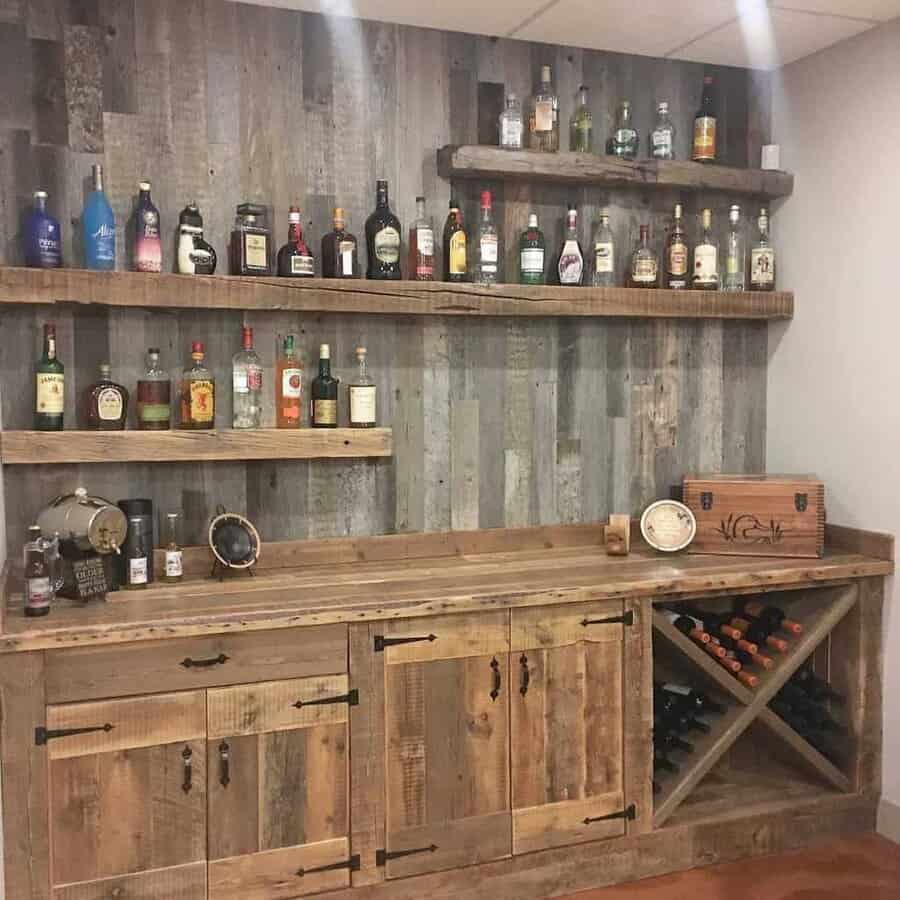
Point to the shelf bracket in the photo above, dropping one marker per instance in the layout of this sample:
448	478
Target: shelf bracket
352	864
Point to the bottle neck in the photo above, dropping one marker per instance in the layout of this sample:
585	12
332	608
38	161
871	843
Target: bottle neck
295	233
420	209
363	368
144	198
40	204
571	224
98	180
624	116
485	214
325	366
50	346
381	198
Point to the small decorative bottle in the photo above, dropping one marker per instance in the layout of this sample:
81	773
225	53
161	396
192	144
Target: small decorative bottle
511	124
288	386
154	396
662	138
324	393
246	384
340	255
136	566
735	253
43	246
581	125
604	274
38	587
487	263
644	262
198	392
532	253
625	140
762	257
50	382
174	570
147	248
98	225
295	259
195	255
571	259
107	403
455	263
421	245
362	395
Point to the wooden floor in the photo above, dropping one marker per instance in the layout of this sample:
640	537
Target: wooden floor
861	868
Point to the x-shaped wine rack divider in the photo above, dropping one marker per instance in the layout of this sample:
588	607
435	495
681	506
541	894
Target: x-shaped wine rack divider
727	728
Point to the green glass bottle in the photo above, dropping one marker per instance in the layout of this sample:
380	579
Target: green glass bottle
49	402
531	253
582	124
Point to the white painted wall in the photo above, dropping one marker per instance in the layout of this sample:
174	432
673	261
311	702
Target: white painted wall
834	373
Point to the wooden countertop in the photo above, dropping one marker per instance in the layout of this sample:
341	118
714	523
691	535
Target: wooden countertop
401	576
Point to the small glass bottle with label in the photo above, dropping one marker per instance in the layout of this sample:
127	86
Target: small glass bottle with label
198	392
146	248
735	253
288	385
676	254
532	253
42	236
543	120
604	252
251	241
581	125
50	383
38	586
762	257
704	147
340	255
362	394
324	393
455	259
706	257
571	259
625	141
174	570
421	245
644	262
662	137
295	259
246	371
154	396
107	403
487	264
136	565
511	124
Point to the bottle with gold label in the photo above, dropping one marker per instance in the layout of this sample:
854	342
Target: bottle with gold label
324	393
644	262
107	403
455	263
49	385
198	392
704	149
676	255
362	394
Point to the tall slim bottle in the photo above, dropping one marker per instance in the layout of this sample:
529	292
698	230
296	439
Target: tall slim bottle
488	256
98	225
323	393
543	118
147	248
455	260
676	254
604	270
762	257
50	381
246	372
421	245
531	253
706	257
704	145
735	253
288	386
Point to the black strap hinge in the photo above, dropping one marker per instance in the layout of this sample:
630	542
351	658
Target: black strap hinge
352	864
628	814
381	641
351	698
624	619
42	735
384	856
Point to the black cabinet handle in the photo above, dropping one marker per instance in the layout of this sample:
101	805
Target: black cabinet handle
525	679
187	755
219	660
224	755
496	678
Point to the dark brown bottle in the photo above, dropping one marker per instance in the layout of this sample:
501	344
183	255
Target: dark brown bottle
340	258
677	258
295	259
324	393
383	238
455	261
705	144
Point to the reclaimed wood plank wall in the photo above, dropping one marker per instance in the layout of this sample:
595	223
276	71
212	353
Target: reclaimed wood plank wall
497	422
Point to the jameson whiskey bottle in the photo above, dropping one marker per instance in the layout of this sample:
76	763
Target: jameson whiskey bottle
383	238
676	254
198	392
324	393
704	148
50	385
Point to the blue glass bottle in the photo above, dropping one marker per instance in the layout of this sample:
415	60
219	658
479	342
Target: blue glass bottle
99	228
43	248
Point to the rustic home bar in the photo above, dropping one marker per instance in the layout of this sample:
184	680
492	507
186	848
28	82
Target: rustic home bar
409	557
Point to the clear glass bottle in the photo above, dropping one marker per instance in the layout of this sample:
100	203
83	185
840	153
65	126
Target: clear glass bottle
706	256
136	565
154	396
98	224
543	118
581	125
532	253
198	392
42	237
106	403
295	259
644	262
323	393
455	255
604	269
174	568
487	262
735	253
762	257
571	259
362	394
38	586
511	124
421	245
662	137
625	141
146	251
246	372
676	254
50	385
288	386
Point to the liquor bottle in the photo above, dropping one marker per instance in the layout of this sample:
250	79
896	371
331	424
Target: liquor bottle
98	225
421	245
174	569
198	392
50	382
644	262
762	257
340	253
42	237
146	251
662	137
195	255
770	616
543	117
38	589
581	125
571	259
251	241
704	148
676	254
107	403
735	254
362	395
488	247
531	253
455	264
136	565
323	393
690	699
688	626
246	372
154	401
721	625
706	257
295	259
383	238
510	124
604	274
625	141
288	386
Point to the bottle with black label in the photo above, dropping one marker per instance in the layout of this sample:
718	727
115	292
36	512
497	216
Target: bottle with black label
38	589
324	393
195	255
362	394
383	238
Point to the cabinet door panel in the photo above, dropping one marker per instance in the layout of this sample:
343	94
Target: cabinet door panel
178	883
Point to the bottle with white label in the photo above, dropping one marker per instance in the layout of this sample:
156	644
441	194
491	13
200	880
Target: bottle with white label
362	394
511	124
706	257
644	262
571	259
604	253
246	379
340	257
735	255
136	566
543	118
762	257
487	264
531	253
662	137
421	245
38	587
174	558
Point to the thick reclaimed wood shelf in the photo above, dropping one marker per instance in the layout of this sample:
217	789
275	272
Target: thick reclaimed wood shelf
164	291
474	161
40	447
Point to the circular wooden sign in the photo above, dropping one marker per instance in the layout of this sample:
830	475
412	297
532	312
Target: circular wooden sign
668	525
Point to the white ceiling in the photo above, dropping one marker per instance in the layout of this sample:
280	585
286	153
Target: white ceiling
756	33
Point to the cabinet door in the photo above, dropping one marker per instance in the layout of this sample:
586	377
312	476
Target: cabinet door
278	788
447	742
128	797
567	724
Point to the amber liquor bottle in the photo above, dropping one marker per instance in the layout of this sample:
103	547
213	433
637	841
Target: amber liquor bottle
324	393
383	238
107	403
340	256
455	263
676	254
198	392
704	146
288	386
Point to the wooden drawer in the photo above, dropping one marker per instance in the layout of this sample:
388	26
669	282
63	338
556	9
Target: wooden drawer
154	666
445	637
535	627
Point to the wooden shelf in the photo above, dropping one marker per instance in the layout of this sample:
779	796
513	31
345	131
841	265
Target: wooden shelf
138	289
39	447
589	169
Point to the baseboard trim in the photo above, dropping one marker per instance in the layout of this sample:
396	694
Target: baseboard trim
889	820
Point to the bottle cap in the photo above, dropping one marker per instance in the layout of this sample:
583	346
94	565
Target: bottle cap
324	351
361	351
40	195
485	199
144	185
604	218
626	104
532	220
339	216
381	184
50	329
645	231
197	347
420	199
734	214
678	210
247	337
707	79
153	351
706	218
545	73
453	203
583	87
104	370
511	98
289	342
663	107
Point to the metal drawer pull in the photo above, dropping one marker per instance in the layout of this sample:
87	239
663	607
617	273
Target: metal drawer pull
526	675
351	698
187	755
219	660
628	813
224	755
352	864
495	671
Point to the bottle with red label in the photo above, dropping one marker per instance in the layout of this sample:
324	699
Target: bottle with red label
288	386
295	260
247	384
571	259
